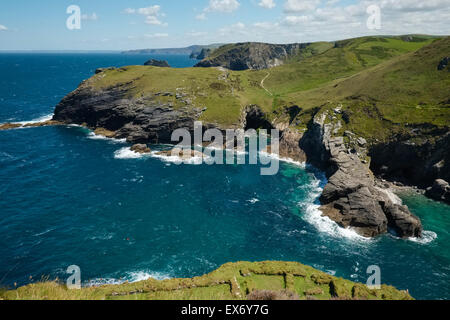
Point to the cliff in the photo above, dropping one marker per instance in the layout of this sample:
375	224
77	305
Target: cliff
251	55
233	281
368	106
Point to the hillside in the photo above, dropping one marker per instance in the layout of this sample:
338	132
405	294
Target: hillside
191	50
232	281
354	53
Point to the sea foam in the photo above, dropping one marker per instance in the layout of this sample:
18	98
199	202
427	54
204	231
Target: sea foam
130	277
315	217
44	118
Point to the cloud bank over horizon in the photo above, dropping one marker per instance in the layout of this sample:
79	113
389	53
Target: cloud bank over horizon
156	24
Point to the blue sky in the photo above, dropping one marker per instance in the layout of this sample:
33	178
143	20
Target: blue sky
133	24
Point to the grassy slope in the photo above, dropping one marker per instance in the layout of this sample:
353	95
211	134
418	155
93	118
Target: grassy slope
233	281
405	90
224	92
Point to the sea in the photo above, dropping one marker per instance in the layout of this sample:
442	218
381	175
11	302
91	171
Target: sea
69	197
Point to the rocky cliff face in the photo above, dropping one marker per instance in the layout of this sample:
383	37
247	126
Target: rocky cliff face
416	159
351	197
139	120
251	55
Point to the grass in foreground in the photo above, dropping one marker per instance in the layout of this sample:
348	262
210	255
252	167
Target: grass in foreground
232	281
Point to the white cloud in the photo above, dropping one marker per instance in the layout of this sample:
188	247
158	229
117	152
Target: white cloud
226	6
157	35
296	20
3	28
201	16
239	25
151	13
268	4
265	25
92	17
300	5
154	21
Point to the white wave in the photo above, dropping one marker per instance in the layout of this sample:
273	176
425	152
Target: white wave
130	277
282	159
315	217
44	232
47	117
94	136
176	159
142	276
127	153
253	201
427	237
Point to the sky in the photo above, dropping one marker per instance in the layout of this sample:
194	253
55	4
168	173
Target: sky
137	24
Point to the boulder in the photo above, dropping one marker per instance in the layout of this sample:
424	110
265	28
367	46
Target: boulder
105	133
440	191
140	148
443	63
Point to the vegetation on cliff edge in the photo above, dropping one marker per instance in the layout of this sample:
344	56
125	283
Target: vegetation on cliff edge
232	281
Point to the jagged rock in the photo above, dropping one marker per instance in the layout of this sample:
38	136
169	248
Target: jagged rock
140	148
361	141
157	63
404	223
439	191
443	63
9	126
418	164
136	119
289	145
105	133
351	197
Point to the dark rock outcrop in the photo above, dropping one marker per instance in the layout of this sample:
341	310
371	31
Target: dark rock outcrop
100	70
205	52
139	120
157	63
440	191
417	159
444	63
351	197
251	55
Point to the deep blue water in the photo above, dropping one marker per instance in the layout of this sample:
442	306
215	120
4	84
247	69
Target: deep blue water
67	198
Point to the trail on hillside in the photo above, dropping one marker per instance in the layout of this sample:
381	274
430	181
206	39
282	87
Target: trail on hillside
262	83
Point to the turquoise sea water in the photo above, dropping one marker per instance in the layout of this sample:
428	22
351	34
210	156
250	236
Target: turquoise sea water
68	197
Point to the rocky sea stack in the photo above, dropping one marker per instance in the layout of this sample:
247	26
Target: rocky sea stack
157	63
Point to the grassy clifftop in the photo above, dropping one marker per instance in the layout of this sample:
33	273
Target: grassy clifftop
396	74
232	281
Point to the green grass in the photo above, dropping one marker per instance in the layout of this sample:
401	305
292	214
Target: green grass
397	80
220	284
